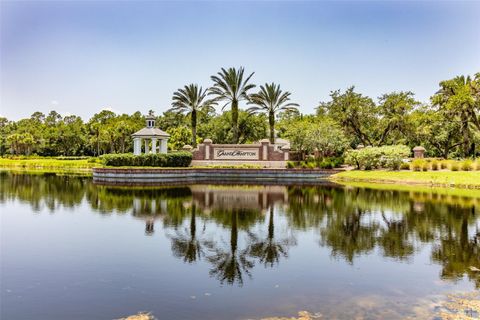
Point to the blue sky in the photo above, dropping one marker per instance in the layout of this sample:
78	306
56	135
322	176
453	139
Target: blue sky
81	57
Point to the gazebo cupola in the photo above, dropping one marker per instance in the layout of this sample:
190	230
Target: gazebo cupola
150	134
150	121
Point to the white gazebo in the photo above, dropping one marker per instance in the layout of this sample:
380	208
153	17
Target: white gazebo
150	133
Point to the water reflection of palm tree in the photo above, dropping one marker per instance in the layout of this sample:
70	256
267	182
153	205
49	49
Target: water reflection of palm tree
230	265
186	245
269	250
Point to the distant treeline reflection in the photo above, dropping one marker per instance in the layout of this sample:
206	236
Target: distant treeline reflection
350	221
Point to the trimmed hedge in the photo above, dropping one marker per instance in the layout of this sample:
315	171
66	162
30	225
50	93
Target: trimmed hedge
176	159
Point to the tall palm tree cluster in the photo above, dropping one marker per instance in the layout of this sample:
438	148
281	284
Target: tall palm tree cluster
230	87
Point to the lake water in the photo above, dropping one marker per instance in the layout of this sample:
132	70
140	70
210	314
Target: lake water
71	249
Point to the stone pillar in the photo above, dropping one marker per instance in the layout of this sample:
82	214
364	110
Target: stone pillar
286	152
207	143
137	146
163	145
146	147
154	145
265	143
418	152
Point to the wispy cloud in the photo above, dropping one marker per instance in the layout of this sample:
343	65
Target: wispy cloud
111	109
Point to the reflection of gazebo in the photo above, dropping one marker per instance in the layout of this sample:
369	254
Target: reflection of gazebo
149	210
150	133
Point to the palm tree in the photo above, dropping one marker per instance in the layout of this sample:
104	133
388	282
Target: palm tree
191	100
271	100
230	86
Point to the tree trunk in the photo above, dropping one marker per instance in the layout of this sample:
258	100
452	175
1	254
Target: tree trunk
446	152
271	230
194	128
271	122
193	227
98	143
234	233
466	142
235	121
466	136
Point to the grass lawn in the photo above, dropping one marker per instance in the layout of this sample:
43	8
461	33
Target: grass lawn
461	179
81	166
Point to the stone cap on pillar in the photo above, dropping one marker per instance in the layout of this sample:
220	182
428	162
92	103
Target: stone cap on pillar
264	141
418	152
207	141
419	148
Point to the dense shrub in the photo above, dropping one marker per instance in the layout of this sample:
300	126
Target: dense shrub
405	166
290	164
389	157
425	166
443	165
177	159
326	164
454	166
467	165
330	162
417	164
435	165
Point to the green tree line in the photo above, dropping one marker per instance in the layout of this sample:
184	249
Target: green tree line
447	126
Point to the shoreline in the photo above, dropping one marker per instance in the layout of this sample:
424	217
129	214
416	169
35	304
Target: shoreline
443	179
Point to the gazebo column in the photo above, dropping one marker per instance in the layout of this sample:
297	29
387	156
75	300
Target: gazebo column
163	145
146	147
137	146
154	145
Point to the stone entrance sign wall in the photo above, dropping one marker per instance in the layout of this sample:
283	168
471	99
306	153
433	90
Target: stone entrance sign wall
264	153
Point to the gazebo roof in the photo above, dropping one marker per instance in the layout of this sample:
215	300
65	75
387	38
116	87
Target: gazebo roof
150	133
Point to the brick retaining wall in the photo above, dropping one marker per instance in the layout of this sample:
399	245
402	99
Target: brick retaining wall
193	175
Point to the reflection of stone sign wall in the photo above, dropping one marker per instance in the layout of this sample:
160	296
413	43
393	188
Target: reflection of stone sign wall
235	154
217	197
235	200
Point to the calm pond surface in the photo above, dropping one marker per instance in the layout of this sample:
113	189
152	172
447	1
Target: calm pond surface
71	249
